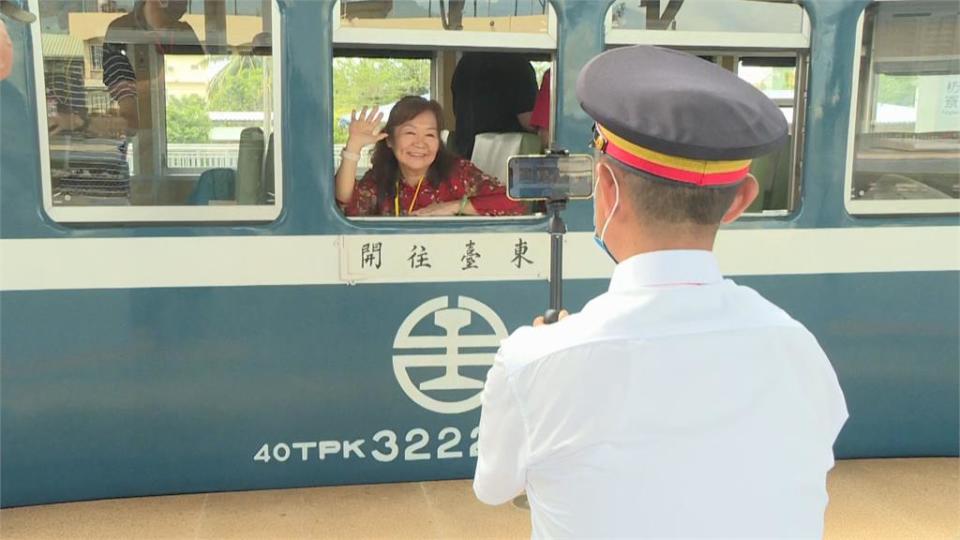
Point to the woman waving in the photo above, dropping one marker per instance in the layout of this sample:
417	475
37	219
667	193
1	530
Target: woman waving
413	173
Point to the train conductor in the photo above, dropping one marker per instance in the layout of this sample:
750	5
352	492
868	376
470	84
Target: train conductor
677	404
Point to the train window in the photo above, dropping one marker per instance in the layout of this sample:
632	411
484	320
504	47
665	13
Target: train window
904	148
765	43
483	65
711	23
779	77
507	24
160	111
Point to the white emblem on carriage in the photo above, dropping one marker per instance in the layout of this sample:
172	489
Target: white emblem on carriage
451	320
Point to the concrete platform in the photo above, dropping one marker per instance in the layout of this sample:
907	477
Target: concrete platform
869	499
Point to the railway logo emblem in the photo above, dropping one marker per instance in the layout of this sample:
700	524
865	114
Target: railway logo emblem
416	357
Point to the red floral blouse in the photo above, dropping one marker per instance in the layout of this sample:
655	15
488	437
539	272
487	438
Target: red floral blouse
486	195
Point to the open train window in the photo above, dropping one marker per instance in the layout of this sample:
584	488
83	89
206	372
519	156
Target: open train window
159	111
482	62
904	146
783	79
765	43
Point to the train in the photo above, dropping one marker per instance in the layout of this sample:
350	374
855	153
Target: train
190	326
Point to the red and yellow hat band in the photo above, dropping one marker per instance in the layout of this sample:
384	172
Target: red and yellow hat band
691	171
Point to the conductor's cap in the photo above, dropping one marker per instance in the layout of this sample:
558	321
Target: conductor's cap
676	116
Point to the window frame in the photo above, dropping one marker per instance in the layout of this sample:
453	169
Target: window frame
417	221
879	207
149	214
798	133
96	56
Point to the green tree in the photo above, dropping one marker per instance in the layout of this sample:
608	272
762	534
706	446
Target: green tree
340	133
897	90
784	78
238	86
778	78
377	81
359	82
187	120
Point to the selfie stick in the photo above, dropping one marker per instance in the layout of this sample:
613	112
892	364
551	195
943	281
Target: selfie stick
557	229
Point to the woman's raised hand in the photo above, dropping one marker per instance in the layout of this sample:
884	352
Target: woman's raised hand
365	128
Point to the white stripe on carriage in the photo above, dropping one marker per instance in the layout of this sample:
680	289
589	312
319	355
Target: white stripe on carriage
123	263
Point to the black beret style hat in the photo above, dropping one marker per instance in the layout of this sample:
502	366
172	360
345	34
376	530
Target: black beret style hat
674	115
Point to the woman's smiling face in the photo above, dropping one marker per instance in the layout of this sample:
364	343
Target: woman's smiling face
415	144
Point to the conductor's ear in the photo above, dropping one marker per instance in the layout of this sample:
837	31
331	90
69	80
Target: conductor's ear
603	192
747	191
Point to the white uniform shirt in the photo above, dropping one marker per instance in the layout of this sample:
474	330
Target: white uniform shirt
677	404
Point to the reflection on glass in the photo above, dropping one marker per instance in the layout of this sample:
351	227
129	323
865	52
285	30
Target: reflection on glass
159	102
707	16
908	126
518	16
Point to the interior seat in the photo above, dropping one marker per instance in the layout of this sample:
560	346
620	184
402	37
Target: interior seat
492	150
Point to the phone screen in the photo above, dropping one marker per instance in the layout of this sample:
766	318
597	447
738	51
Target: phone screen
551	177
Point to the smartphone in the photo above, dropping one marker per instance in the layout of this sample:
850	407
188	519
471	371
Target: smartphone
550	177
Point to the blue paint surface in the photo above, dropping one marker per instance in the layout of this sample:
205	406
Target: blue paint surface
133	392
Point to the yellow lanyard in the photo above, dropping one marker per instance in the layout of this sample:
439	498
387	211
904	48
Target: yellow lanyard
396	199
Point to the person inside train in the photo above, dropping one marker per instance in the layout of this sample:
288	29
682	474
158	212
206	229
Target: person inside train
154	25
413	173
677	404
492	93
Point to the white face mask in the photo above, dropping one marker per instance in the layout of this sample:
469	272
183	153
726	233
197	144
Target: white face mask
616	204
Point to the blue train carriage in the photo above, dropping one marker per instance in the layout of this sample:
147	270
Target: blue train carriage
185	309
